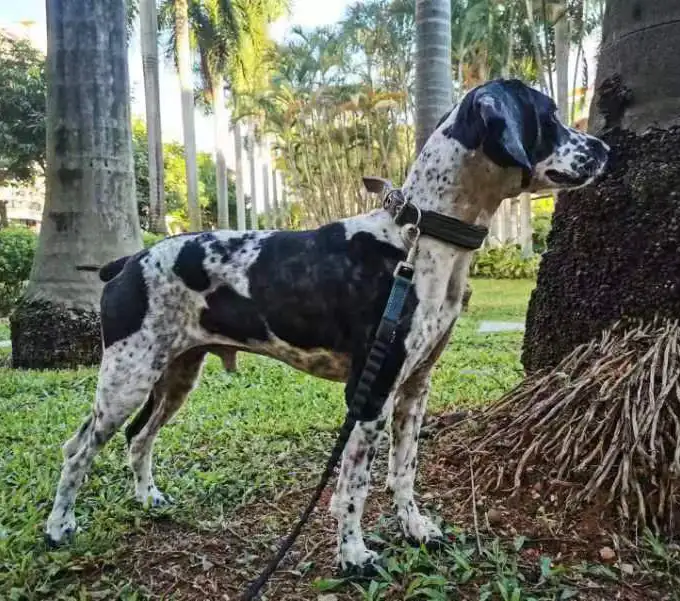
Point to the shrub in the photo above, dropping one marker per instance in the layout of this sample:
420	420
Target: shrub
17	249
504	263
150	239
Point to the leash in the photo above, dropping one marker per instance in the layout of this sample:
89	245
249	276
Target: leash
365	406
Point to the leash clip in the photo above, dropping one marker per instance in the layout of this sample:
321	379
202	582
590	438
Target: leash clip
410	234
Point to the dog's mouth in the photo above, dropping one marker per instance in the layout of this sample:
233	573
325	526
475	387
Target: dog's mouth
560	178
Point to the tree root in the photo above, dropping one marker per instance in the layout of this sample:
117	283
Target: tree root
605	421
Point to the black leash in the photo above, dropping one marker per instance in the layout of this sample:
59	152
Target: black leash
363	402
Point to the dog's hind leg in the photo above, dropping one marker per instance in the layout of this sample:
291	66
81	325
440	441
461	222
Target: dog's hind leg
125	381
168	396
407	418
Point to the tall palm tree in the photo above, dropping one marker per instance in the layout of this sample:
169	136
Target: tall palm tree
434	89
90	215
180	9
626	262
152	101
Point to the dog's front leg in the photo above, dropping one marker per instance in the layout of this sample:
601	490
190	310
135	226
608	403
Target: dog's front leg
347	504
409	410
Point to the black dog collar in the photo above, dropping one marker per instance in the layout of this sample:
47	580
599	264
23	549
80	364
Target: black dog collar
430	223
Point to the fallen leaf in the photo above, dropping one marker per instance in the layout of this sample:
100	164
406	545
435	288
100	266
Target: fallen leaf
329	597
607	554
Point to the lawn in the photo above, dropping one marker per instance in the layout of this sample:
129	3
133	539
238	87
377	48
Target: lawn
242	441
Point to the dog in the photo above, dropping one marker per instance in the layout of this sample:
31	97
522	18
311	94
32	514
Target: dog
313	299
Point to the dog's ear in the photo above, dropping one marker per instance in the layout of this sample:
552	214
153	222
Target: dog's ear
377	185
502	138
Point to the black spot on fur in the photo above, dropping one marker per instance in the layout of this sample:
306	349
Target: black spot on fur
350	508
231	315
316	289
124	302
189	265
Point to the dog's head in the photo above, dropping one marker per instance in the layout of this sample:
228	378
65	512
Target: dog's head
516	126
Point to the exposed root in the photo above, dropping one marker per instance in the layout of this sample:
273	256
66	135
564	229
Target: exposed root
605	424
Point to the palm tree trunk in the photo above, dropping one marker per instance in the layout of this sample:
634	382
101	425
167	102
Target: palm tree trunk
90	215
240	195
626	261
562	58
265	188
275	197
253	179
434	92
188	124
152	102
220	154
525	233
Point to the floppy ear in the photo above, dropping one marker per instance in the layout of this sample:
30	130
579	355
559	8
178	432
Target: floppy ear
502	140
377	185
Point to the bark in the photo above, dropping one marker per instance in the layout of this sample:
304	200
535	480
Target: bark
220	155
188	124
149	38
253	180
275	198
613	248
433	87
90	215
265	196
562	59
240	195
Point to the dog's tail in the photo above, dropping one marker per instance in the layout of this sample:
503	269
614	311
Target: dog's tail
338	448
108	271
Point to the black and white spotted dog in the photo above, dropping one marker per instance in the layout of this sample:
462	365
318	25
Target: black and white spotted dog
313	300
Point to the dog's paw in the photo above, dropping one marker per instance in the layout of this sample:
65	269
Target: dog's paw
152	497
59	530
419	528
358	561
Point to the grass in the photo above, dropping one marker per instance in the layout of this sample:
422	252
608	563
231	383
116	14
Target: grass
241	436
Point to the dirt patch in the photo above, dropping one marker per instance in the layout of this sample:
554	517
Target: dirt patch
172	560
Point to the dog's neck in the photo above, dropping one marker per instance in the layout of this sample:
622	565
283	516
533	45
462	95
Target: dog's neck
457	182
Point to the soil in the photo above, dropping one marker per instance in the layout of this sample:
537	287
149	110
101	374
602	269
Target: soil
178	561
613	248
50	336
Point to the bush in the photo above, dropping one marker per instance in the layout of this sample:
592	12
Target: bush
504	263
150	239
17	249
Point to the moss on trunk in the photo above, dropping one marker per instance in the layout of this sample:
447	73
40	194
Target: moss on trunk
49	335
613	252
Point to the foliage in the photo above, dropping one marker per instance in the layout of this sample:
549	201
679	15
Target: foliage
22	111
175	181
17	249
504	262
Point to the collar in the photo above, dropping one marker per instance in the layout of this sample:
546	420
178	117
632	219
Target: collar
430	223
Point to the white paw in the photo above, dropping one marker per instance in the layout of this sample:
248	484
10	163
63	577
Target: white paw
59	526
353	554
150	496
417	526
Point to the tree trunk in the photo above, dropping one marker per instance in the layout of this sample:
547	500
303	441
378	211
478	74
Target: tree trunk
525	233
240	195
265	196
562	59
90	215
275	198
434	90
188	125
253	179
220	155
152	100
613	249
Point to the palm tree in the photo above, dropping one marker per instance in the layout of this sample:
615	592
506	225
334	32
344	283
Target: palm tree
90	215
434	91
176	18
149	39
619	259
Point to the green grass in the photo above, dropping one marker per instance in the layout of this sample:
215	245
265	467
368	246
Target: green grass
4	329
265	427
